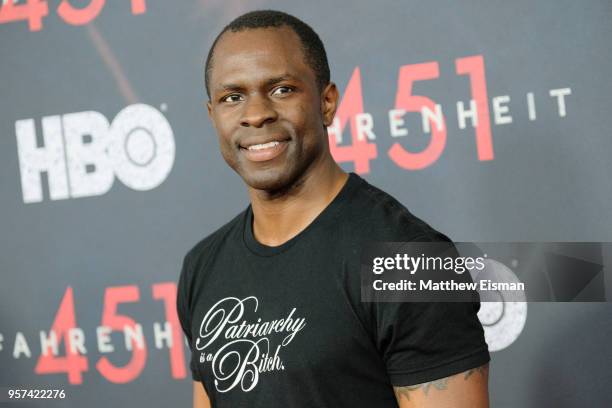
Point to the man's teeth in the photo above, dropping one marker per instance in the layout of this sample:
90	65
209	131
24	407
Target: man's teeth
263	146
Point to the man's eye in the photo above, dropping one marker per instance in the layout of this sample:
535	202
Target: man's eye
230	98
281	90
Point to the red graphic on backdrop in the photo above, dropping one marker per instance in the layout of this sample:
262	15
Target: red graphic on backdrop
75	362
110	318
474	67
415	103
360	152
363	148
33	11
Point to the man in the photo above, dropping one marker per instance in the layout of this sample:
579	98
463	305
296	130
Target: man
270	302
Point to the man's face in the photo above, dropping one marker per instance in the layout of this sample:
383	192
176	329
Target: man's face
266	107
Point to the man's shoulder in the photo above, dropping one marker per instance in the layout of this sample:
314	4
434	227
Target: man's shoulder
212	241
383	217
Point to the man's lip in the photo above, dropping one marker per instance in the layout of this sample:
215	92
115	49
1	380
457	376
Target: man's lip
246	143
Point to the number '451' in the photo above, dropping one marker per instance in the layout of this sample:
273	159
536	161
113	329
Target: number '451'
33	11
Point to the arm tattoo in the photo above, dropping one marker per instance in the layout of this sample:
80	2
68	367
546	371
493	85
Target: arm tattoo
440	384
482	370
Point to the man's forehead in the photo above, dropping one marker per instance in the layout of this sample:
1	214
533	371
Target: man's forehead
246	57
280	39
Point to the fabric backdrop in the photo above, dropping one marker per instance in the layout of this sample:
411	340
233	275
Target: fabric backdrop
110	171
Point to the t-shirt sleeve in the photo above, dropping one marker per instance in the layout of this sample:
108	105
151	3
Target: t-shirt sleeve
422	342
425	341
183	302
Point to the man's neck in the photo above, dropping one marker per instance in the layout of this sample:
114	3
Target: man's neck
278	219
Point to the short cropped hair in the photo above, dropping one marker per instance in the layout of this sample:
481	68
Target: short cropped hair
312	46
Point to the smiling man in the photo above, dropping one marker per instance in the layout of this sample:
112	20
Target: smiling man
270	302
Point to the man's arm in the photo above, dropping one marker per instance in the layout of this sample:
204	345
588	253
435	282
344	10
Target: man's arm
464	390
200	398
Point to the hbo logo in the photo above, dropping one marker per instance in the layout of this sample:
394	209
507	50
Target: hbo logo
81	153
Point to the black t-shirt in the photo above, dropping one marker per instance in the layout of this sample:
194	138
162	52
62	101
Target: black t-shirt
285	327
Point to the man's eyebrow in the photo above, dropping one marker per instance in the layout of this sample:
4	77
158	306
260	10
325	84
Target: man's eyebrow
268	82
281	78
229	87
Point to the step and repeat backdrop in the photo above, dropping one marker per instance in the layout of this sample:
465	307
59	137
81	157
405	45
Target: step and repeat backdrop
488	119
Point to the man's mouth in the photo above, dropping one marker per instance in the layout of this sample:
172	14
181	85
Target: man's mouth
263	145
259	152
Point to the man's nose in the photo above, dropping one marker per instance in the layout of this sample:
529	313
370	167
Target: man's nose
258	110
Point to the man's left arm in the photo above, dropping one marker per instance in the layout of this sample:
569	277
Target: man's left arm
468	389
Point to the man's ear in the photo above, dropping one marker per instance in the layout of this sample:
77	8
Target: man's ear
209	108
329	103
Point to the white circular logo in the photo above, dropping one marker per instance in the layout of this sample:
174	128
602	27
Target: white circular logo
141	147
502	321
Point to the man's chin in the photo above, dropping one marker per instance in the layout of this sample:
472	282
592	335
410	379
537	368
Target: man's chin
273	181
